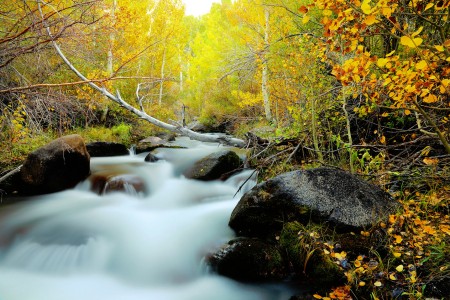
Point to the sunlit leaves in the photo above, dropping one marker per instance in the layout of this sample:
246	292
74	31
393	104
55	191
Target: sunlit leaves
439	48
411	42
365	7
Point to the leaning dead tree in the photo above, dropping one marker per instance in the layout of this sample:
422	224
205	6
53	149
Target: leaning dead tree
178	128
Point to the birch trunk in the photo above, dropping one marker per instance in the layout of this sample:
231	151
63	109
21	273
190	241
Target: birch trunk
118	99
265	67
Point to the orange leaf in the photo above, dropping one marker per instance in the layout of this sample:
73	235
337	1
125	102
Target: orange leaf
430	98
303	9
430	161
370	20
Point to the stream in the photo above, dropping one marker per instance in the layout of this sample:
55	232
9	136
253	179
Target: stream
134	245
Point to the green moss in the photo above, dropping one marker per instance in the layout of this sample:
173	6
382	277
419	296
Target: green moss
303	245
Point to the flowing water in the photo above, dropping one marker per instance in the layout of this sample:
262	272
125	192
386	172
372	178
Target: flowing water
135	245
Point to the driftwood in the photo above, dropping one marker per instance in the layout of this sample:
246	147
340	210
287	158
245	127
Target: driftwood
178	128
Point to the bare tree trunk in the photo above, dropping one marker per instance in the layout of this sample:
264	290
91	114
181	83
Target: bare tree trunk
110	57
178	128
161	83
265	68
112	38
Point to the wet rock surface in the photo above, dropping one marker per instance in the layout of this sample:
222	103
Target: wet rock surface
248	259
319	195
304	215
214	166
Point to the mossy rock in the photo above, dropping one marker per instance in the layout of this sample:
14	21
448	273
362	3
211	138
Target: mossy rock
304	253
248	259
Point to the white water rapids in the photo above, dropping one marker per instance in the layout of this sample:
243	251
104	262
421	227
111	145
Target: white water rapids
79	245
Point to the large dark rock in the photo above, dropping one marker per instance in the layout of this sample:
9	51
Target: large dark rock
214	166
248	259
59	165
103	149
323	195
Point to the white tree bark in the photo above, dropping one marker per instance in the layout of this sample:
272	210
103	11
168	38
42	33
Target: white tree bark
161	83
265	67
118	99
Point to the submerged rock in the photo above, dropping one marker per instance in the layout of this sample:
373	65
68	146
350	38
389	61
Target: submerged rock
321	195
248	259
126	183
151	158
214	166
153	142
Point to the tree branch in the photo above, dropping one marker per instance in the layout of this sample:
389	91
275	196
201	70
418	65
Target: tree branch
118	99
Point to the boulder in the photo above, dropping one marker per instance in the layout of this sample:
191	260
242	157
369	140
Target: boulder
214	166
104	183
153	142
151	158
127	183
248	259
59	165
102	149
322	195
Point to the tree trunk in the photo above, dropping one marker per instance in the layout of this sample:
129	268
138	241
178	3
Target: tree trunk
161	83
265	67
118	99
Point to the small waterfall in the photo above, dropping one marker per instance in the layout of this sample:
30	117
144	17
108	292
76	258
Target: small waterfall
128	244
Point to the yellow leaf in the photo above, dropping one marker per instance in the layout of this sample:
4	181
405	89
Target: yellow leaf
370	20
407	112
445	82
430	98
362	283
397	254
421	65
383	139
411	43
306	19
448	59
399	268
439	48
327	12
386	11
392	277
377	283
430	161
357	263
398	239
381	62
317	296
365	7
390	53
417	32
429	5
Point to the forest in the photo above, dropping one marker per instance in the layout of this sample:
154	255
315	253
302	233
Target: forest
359	85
